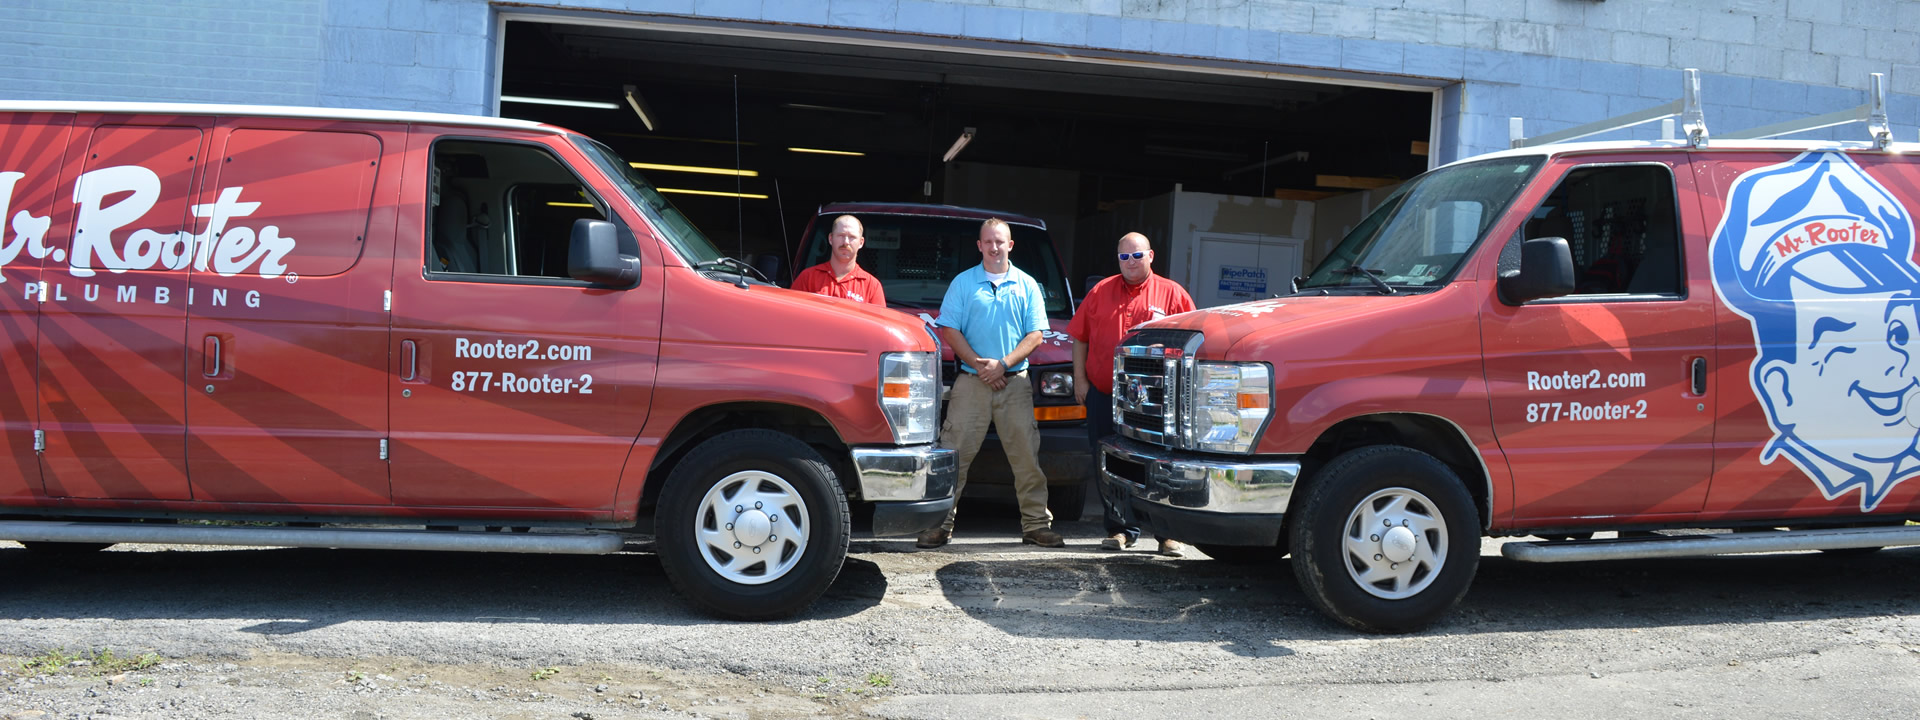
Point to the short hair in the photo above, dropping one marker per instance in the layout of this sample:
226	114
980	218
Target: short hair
856	223
994	221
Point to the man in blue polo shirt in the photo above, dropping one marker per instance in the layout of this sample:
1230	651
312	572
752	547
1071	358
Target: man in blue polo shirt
993	316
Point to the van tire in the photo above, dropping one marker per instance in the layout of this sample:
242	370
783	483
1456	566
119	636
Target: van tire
695	538
1440	539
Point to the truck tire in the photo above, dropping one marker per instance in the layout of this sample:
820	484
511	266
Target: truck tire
1068	503
752	525
1385	540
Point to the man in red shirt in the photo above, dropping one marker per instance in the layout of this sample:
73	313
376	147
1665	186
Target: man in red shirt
1112	308
840	276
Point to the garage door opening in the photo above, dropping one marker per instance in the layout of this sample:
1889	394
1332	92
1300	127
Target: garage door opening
1093	148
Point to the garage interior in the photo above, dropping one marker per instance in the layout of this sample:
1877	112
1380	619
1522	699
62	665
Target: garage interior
1082	145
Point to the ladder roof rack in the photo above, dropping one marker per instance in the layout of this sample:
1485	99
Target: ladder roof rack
1688	110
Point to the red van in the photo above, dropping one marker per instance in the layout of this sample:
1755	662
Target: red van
1552	341
915	251
334	320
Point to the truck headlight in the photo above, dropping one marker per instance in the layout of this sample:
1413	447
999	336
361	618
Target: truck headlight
909	395
1231	401
1056	383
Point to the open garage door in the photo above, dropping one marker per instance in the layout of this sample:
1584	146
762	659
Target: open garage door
1093	148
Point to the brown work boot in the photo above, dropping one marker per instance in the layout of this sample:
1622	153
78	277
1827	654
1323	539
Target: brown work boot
934	538
1119	541
1172	548
1044	537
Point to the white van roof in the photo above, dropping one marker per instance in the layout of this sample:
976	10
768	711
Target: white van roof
143	108
1713	145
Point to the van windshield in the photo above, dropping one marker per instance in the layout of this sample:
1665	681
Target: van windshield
915	257
679	232
1419	234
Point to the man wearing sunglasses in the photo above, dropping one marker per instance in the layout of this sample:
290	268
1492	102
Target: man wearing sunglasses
1112	308
840	276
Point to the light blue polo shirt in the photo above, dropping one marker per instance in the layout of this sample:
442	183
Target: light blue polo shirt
994	318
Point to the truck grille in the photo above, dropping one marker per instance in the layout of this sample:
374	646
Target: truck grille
1150	383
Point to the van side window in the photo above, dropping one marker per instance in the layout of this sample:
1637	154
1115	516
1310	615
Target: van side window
503	209
1621	224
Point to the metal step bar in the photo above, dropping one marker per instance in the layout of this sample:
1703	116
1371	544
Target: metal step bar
1688	110
562	543
1674	546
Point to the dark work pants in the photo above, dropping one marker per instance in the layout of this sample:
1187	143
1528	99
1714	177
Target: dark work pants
1119	517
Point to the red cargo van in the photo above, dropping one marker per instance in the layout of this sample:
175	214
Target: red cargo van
915	250
336	319
1552	341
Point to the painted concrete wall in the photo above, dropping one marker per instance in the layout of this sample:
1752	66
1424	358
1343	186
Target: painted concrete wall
1556	62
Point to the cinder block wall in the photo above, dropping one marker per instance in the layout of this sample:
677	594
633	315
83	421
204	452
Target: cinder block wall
1557	63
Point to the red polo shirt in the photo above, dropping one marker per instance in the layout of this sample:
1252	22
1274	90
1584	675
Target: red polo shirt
1111	309
860	285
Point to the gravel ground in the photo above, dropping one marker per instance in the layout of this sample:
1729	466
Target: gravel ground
984	628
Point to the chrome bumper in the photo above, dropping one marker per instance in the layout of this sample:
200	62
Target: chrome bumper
1195	481
912	473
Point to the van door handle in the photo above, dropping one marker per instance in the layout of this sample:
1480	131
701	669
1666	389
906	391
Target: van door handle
1699	376
210	348
409	360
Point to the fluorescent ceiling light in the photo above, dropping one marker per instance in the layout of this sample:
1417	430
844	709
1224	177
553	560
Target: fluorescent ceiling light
818	151
695	169
569	204
715	193
959	143
830	108
558	101
639	106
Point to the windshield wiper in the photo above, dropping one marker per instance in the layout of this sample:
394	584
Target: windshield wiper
740	266
1373	275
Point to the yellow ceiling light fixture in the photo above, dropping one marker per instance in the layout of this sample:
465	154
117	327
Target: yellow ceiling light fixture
818	151
569	204
714	193
695	169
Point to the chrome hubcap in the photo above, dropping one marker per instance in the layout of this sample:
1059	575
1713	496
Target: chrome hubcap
1396	543
751	527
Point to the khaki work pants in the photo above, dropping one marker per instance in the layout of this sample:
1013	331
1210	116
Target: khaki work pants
971	407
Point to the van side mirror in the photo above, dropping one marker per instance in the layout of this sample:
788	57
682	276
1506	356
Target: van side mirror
593	255
1546	271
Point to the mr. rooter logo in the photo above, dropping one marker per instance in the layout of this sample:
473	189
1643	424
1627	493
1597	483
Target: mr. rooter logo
1818	256
220	249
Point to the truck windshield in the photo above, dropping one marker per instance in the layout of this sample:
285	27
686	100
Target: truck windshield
1418	235
915	257
679	232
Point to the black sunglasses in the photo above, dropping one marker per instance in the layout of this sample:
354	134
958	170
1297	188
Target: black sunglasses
1134	255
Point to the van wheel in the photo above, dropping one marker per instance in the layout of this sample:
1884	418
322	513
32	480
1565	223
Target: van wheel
752	525
64	548
1068	503
1386	539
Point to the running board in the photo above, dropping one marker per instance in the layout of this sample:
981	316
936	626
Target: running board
564	543
1672	546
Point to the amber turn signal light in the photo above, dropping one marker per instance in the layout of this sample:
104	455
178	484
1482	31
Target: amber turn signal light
1059	412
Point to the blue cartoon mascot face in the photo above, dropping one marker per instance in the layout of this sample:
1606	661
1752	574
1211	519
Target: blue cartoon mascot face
1819	257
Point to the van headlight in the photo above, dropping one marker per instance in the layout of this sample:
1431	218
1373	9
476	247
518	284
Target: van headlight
1230	403
1056	383
909	395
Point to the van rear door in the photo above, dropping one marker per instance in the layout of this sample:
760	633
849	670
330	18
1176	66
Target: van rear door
116	310
29	183
287	330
